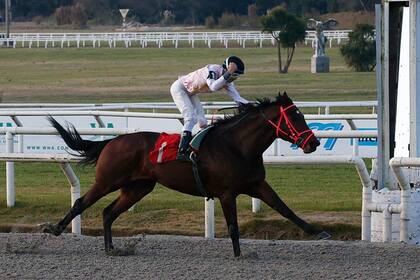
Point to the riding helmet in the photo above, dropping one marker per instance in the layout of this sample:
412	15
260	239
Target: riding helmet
239	63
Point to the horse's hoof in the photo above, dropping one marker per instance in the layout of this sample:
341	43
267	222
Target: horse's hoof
49	228
323	235
119	252
111	252
109	248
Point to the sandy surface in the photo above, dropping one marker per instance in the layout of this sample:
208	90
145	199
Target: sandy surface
40	256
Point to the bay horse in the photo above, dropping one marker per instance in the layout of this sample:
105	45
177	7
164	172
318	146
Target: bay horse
230	163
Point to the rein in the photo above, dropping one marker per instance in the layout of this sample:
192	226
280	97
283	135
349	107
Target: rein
298	137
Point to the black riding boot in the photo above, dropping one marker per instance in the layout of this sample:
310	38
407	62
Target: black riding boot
183	146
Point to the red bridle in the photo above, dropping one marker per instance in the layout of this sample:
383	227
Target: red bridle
297	137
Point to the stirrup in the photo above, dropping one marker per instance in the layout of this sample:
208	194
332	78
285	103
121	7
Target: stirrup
183	156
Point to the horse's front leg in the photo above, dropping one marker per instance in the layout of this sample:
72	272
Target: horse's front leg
228	202
264	192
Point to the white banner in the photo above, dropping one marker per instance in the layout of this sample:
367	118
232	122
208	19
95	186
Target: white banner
53	143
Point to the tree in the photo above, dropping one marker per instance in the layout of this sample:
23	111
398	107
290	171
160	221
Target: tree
184	11
102	11
287	30
79	16
264	5
30	8
63	15
252	15
360	52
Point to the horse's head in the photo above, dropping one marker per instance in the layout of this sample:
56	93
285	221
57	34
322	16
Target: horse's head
290	124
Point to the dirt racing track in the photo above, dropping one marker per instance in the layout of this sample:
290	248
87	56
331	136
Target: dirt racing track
40	256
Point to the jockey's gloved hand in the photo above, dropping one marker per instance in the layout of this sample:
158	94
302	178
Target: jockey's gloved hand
232	77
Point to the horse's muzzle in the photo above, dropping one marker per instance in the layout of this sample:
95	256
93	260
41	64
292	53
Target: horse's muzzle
311	145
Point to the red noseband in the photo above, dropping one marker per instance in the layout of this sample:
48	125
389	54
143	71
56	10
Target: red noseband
297	137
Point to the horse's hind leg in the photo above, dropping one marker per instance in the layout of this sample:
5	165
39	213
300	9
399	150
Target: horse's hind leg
270	197
228	203
130	194
91	196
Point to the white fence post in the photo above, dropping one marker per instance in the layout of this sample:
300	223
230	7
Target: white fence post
256	205
209	218
387	225
10	173
366	213
75	194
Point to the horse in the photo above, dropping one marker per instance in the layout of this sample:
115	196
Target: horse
230	163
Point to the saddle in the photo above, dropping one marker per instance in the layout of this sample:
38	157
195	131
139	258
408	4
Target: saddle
198	139
166	146
166	149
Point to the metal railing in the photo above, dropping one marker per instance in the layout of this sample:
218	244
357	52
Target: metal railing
158	39
322	107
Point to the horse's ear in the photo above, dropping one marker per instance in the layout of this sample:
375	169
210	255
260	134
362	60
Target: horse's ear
282	94
279	97
284	98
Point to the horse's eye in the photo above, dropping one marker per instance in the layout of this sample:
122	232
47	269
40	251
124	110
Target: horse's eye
297	115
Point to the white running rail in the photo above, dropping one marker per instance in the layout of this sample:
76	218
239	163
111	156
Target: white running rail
323	107
159	39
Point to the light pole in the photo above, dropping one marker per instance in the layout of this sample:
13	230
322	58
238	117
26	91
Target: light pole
7	15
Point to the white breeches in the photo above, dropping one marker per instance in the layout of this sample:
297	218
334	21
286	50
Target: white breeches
189	106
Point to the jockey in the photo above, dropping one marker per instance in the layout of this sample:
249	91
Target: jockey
211	77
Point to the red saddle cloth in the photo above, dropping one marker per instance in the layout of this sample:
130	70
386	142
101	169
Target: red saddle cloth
165	149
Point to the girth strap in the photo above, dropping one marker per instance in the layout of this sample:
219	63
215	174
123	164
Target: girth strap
198	182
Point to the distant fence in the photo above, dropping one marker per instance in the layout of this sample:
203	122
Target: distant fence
158	39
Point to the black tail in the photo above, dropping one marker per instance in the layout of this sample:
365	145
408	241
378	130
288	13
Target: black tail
89	150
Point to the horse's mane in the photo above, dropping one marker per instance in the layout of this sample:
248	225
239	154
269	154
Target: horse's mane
245	109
